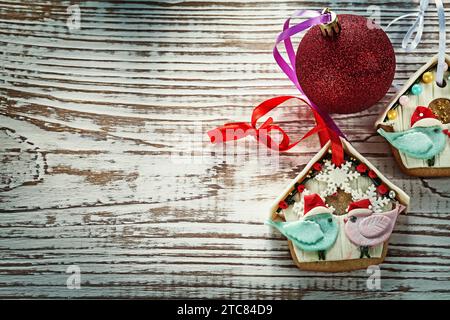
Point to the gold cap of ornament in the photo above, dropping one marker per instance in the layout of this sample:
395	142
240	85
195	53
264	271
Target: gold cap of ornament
332	28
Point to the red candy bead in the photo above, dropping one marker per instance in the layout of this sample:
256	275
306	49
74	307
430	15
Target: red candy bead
361	168
301	188
382	189
283	205
372	174
317	166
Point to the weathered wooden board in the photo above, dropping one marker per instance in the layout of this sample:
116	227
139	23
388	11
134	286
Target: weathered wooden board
104	161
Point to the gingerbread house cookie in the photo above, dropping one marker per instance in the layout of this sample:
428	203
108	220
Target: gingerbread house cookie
417	121
338	218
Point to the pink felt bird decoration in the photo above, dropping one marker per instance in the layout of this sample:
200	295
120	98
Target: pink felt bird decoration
366	229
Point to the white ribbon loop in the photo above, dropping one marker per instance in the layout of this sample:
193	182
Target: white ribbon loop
441	58
410	44
417	28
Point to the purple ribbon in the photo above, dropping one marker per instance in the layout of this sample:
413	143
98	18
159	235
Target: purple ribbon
285	36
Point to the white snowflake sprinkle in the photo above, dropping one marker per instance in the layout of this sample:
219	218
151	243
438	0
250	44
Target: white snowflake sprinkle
378	203
337	177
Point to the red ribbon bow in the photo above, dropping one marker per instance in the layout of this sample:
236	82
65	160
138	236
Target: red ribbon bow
239	130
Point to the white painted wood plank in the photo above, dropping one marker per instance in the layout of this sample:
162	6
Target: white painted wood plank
90	122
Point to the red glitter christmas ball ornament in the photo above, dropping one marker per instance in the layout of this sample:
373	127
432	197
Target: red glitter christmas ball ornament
345	66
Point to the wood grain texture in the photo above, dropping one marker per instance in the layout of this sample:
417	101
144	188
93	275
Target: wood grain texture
104	161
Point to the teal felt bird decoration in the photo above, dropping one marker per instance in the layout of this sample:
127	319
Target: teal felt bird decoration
424	140
317	230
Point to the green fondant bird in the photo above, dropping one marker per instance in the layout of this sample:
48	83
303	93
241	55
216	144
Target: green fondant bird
317	230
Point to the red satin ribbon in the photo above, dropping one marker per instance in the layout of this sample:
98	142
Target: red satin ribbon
239	130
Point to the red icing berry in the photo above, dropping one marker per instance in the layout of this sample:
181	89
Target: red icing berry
382	189
301	188
361	168
283	205
317	166
372	174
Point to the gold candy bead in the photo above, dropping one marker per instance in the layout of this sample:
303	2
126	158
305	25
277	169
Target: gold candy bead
427	77
392	114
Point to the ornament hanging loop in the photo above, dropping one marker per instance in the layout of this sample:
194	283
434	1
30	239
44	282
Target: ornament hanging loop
332	28
410	44
442	37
